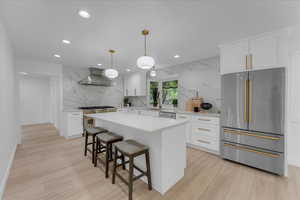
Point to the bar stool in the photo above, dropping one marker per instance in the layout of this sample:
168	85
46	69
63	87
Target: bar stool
104	143
92	132
131	149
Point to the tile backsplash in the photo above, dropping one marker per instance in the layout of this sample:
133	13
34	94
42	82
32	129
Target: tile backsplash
75	95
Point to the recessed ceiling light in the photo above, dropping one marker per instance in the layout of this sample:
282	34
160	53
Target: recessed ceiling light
23	73
177	56
84	14
99	64
128	70
66	41
56	56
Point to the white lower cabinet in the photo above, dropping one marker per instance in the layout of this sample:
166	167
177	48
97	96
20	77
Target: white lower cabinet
203	132
73	124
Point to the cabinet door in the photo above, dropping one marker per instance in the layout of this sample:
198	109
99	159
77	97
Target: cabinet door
129	85
142	85
264	52
126	86
233	57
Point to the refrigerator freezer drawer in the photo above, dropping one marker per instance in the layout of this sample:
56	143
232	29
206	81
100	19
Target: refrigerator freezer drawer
262	140
265	160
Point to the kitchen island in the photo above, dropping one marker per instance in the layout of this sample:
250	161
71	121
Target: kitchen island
164	137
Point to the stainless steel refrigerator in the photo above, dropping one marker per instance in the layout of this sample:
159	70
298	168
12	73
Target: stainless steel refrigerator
252	118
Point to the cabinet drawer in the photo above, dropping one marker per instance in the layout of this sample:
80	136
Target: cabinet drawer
180	116
262	159
205	142
206	120
205	130
75	115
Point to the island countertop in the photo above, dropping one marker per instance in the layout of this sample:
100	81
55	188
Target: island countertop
141	122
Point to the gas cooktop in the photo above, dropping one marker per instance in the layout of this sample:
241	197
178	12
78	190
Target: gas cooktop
95	107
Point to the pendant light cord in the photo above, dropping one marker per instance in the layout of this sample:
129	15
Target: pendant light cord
145	45
111	60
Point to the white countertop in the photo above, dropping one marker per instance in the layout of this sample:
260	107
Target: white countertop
207	114
141	122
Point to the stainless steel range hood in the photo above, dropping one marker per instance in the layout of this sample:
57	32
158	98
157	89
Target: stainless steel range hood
97	78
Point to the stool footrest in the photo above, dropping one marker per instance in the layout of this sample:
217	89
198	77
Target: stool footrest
122	179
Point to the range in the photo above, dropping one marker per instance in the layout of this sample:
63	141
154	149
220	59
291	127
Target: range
89	122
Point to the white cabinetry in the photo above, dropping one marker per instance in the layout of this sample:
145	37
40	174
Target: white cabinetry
73	124
205	133
135	84
233	57
202	132
187	127
255	53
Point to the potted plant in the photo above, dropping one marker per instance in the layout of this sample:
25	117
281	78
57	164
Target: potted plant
175	103
155	96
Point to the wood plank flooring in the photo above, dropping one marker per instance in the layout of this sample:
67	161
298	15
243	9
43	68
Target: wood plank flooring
49	167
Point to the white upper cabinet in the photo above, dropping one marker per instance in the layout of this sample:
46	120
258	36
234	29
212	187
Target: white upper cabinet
255	53
135	84
233	57
263	52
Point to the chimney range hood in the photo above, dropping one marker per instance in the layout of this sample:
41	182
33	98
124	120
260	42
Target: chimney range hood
97	78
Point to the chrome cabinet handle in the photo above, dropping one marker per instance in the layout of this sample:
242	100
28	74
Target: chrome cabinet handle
207	120
204	129
202	141
134	91
252	151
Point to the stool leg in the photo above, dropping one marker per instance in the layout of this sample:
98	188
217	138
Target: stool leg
148	170
96	152
93	149
110	152
115	166
123	161
86	142
130	183
107	159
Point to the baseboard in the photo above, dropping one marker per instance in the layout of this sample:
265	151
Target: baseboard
294	162
203	149
4	180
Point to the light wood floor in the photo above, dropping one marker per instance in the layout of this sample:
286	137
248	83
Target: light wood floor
48	166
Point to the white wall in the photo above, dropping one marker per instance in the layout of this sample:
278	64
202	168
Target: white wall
293	116
8	108
202	76
35	100
54	72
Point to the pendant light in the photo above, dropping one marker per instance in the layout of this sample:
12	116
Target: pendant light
153	72
145	62
110	72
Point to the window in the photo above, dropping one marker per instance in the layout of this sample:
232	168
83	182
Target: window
170	92
153	86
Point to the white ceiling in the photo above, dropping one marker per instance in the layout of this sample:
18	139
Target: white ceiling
190	28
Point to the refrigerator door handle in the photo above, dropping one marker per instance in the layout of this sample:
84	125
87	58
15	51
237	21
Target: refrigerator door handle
238	132
246	101
252	150
250	100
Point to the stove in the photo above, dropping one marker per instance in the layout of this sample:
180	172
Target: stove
88	121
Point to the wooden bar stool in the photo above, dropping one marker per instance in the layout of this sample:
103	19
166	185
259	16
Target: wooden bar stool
104	144
92	132
131	149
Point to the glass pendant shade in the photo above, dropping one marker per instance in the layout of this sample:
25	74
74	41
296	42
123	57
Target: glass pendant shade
145	62
111	73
